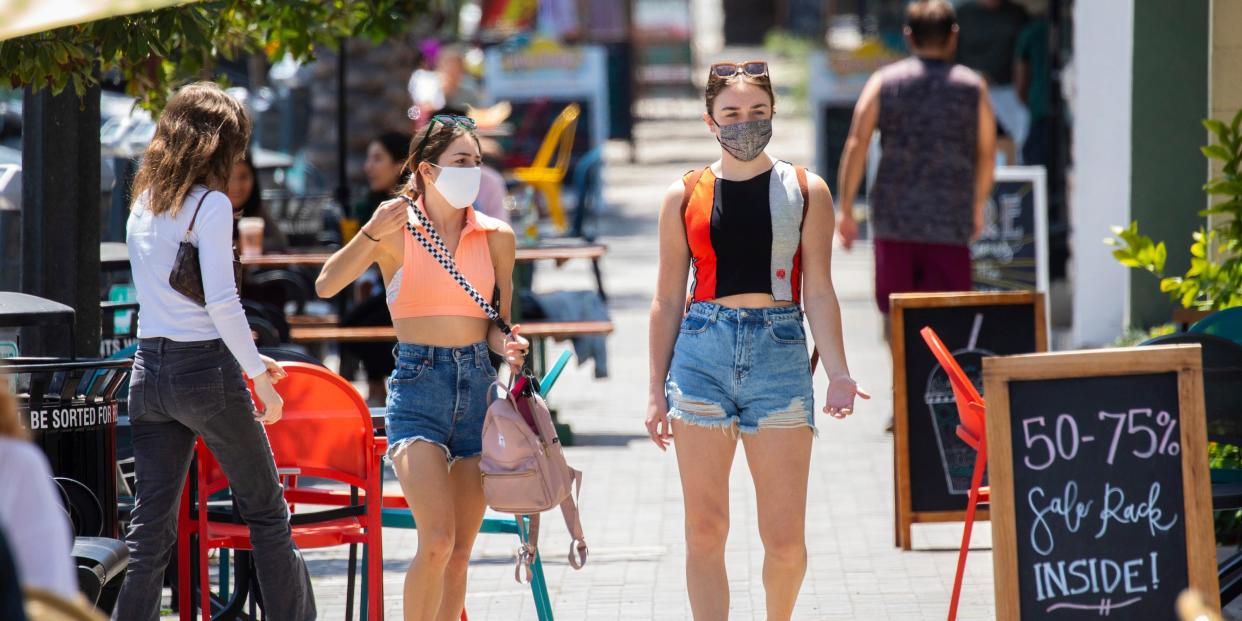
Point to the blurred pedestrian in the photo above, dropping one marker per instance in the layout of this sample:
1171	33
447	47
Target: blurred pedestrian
386	175
756	234
937	137
988	39
190	371
440	387
1032	77
246	195
32	518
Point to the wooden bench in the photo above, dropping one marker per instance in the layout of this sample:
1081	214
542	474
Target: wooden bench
363	334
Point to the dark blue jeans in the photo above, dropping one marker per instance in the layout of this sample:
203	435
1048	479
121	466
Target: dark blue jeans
177	392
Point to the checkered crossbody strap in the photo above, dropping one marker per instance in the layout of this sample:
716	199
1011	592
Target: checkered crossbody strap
440	253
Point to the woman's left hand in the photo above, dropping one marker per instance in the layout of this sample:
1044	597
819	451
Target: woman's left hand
516	348
841	392
274	369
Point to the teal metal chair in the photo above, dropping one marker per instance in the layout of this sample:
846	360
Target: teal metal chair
402	518
1225	324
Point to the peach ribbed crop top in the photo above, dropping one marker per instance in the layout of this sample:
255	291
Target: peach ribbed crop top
423	288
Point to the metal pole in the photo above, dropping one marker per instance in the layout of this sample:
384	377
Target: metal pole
61	204
342	178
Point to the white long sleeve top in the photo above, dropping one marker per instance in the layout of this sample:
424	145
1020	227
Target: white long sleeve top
162	312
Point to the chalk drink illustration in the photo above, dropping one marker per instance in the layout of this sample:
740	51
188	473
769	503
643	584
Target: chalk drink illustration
956	457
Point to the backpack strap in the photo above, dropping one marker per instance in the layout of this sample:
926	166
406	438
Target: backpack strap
573	523
800	171
691	180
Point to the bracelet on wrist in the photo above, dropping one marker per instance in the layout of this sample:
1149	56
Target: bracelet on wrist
368	235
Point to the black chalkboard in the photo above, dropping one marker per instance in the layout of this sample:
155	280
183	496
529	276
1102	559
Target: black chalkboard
933	465
834	131
1011	254
1097	478
1101	504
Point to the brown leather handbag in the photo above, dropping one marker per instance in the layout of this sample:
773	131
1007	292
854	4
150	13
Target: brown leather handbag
187	274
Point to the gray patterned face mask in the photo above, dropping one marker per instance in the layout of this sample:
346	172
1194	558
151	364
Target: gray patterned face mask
745	141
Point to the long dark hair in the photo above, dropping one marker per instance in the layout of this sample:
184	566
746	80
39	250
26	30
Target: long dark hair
397	146
199	135
253	205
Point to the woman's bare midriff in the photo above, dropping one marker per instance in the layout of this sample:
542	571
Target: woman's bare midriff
442	331
750	300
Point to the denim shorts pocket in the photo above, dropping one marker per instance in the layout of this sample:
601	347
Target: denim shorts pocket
787	332
408	372
200	393
694	324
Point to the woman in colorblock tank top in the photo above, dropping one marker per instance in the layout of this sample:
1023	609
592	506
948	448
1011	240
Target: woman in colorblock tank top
750	238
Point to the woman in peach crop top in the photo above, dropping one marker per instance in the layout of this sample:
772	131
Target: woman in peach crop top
437	395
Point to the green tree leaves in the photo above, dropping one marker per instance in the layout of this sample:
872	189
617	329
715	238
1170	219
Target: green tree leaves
1214	278
156	51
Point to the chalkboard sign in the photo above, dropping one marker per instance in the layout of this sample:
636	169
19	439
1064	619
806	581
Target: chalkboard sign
932	466
1101	504
1012	252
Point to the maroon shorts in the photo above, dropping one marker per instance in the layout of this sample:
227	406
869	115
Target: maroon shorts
904	267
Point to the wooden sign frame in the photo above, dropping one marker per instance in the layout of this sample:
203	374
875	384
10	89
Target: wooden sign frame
904	514
1186	361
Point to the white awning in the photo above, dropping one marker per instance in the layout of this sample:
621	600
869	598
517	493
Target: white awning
23	17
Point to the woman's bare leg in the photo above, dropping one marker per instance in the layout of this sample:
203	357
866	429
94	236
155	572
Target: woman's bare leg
704	458
468	511
424	476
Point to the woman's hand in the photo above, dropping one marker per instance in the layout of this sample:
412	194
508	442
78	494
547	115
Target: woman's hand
273	404
658	425
387	219
274	369
515	351
841	392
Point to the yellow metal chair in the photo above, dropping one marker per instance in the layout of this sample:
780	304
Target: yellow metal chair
544	173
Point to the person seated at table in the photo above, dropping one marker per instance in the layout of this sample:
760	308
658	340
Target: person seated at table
31	516
386	174
247	198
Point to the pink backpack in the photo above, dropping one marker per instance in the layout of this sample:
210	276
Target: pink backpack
524	469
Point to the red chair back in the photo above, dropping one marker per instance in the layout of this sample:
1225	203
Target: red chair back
326	429
970	405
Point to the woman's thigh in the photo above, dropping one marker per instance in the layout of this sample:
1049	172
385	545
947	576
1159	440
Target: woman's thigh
780	462
704	459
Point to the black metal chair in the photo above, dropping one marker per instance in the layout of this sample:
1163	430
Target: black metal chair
1222	400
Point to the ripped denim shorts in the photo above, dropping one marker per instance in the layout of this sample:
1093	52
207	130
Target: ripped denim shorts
741	366
438	395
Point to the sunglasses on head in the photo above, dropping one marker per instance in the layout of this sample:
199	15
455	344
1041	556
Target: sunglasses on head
752	68
447	120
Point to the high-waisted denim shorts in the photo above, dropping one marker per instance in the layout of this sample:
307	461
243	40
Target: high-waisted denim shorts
439	395
741	366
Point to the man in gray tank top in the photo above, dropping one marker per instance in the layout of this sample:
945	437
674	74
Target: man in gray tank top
938	138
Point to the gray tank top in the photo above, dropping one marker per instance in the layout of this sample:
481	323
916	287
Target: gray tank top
925	185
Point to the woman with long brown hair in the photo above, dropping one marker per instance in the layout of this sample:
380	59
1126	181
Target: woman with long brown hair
757	234
437	394
193	359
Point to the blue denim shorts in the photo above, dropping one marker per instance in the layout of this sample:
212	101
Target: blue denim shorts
746	366
438	395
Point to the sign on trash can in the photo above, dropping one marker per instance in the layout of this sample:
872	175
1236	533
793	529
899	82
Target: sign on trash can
70	409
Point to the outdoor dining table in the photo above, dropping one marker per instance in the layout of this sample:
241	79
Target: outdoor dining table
553	252
558	252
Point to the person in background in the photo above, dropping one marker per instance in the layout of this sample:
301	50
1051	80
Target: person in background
190	371
1032	76
386	175
450	89
937	138
31	516
247	198
989	36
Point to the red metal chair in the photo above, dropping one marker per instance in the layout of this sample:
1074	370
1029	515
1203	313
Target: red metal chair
973	431
325	433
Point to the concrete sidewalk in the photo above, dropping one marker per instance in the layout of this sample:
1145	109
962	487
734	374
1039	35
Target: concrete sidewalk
631	499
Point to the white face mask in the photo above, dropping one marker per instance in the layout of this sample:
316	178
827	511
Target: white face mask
458	186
